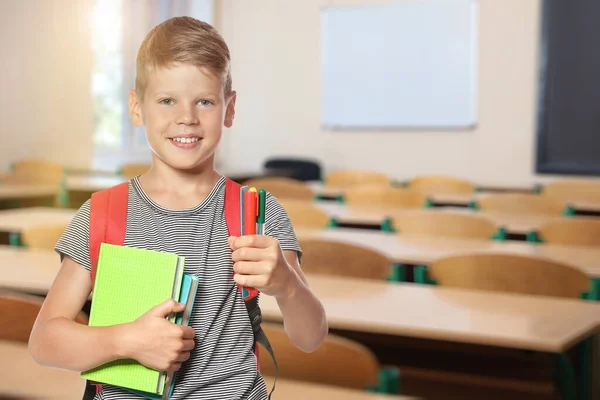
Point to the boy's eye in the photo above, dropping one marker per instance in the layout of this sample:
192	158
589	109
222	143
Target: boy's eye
166	102
204	103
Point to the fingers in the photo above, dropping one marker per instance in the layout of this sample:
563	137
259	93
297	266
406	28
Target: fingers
259	241
255	281
188	345
248	254
175	366
183	357
165	308
251	268
188	332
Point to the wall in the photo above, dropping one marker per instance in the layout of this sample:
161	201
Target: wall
45	101
275	50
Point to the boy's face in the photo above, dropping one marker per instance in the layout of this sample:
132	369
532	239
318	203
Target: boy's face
183	113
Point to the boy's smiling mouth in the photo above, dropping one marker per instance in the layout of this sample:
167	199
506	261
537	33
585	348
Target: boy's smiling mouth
185	141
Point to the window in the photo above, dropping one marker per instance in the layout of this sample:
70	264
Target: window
119	28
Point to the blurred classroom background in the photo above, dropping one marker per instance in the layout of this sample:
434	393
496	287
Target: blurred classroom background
438	159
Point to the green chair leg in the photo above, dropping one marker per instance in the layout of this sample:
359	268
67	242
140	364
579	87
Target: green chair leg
386	225
398	273
389	381
420	272
14	238
565	378
585	350
500	235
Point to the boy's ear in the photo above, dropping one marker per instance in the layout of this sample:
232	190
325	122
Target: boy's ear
135	111
230	111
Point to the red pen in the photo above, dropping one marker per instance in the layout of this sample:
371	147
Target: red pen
250	211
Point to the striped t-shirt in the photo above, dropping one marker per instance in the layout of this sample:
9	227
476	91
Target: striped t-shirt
222	365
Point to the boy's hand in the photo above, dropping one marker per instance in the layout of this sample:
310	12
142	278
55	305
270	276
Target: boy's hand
259	263
157	343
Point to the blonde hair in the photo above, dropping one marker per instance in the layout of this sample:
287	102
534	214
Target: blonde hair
183	40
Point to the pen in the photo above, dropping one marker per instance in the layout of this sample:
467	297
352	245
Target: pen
250	211
260	221
243	190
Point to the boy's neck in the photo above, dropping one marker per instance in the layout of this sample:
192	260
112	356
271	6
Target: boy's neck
175	189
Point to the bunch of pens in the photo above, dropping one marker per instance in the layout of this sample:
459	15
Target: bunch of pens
252	214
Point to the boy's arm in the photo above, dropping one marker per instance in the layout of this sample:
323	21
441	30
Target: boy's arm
57	340
260	263
304	318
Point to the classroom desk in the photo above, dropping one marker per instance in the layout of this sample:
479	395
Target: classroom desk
23	191
17	219
92	183
296	390
453	200
18	374
519	224
438	313
514	321
417	250
23	378
28	270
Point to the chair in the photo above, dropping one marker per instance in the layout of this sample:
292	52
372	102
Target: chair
42	236
283	187
522	203
338	362
347	178
33	171
573	189
440	184
326	257
130	171
18	312
444	224
571	232
296	168
366	195
507	273
305	214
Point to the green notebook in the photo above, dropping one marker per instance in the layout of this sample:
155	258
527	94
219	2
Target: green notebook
129	282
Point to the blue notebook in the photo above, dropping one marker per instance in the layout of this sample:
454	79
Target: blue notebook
189	287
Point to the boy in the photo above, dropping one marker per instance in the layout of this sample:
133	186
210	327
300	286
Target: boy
183	98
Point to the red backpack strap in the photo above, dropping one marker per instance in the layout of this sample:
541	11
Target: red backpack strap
232	219
108	218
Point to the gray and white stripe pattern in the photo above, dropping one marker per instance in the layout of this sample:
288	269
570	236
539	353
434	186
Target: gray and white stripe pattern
223	364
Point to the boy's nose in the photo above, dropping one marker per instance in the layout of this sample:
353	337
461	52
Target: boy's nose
187	117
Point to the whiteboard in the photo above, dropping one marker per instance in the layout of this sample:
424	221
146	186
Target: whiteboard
408	64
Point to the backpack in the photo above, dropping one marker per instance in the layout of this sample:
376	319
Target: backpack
108	218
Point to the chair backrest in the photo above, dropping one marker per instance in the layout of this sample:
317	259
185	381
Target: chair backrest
304	214
338	361
347	178
573	189
132	170
522	203
283	188
42	236
444	223
301	169
33	171
510	273
441	184
18	312
571	231
327	257
384	196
